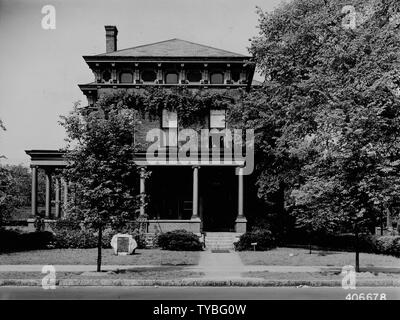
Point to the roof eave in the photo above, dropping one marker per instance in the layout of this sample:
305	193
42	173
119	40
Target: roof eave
166	59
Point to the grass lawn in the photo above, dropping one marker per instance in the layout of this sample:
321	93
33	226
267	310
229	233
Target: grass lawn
89	256
156	273
314	275
301	257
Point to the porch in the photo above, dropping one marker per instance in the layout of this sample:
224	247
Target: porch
196	197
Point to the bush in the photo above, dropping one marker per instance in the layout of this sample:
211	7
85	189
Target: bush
179	240
13	240
263	238
71	234
389	245
81	238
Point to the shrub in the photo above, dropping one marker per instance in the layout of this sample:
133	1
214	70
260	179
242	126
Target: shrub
179	240
389	245
395	248
13	240
263	238
71	234
383	244
81	238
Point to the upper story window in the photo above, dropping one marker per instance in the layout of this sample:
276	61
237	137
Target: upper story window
106	76
171	78
217	119
149	76
126	77
169	124
194	76
217	78
169	119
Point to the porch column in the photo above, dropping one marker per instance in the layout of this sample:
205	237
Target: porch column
241	219
65	195
240	194
142	190
58	197
34	191
195	212
48	194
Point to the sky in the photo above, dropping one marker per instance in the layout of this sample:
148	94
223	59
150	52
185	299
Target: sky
41	68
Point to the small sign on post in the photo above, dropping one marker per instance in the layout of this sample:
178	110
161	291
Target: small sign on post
254	245
123	244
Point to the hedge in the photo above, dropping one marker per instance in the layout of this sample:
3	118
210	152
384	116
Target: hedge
263	238
69	233
14	240
389	245
65	235
179	240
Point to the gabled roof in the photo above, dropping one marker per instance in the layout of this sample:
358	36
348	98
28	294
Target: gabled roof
172	48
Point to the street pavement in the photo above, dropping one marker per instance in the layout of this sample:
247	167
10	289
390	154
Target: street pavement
194	293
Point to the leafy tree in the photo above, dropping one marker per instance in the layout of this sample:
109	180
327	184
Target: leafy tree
100	156
327	118
8	195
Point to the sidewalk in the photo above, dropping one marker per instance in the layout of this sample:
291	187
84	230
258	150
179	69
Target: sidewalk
219	269
212	265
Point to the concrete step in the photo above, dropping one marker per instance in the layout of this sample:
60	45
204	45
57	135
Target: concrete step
221	240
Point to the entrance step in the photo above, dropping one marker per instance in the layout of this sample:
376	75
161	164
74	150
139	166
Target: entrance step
221	240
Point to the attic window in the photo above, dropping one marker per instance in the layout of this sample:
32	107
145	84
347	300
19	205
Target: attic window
106	76
149	76
217	78
126	77
194	76
235	76
171	78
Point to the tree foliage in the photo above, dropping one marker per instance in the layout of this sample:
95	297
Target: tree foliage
327	118
101	166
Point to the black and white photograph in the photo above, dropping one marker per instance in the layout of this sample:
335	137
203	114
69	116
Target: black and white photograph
200	156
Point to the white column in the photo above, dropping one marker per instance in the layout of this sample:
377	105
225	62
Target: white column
65	194
48	194
240	194
34	191
58	197
142	190
241	222
195	212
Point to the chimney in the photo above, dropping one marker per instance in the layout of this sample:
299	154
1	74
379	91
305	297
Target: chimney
111	38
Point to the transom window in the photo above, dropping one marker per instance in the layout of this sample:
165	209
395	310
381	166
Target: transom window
149	76
171	78
217	78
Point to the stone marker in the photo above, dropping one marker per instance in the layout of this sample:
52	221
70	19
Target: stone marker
123	244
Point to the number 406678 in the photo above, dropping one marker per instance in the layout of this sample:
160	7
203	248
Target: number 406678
366	296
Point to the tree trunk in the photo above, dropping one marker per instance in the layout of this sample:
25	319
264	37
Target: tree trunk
99	249
357	251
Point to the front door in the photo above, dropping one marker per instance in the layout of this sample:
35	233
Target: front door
217	185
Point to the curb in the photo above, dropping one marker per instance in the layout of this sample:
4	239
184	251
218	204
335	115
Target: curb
196	283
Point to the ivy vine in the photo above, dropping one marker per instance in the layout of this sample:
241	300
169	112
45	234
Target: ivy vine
191	105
